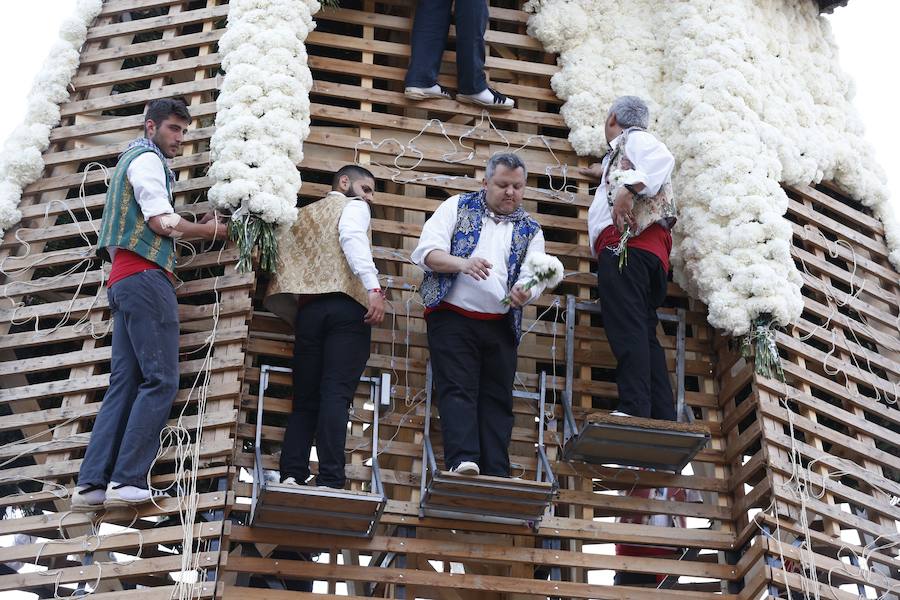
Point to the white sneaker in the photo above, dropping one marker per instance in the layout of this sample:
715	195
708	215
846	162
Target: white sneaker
619	413
88	498
466	467
424	93
291	482
126	495
488	98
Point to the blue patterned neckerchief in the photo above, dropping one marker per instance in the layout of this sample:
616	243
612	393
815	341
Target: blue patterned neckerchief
513	217
148	143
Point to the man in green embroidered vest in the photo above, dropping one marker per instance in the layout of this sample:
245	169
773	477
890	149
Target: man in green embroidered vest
138	235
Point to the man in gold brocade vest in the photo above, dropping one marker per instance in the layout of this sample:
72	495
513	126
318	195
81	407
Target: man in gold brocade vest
326	286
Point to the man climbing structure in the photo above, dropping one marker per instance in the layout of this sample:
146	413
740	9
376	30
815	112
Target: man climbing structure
326	286
138	234
474	251
634	200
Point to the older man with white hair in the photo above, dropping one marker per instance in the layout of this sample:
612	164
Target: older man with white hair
629	223
474	251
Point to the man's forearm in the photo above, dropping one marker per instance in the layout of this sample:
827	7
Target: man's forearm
440	261
162	225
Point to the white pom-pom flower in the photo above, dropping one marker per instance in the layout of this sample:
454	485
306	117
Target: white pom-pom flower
21	162
750	97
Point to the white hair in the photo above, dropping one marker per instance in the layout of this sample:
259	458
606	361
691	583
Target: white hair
630	111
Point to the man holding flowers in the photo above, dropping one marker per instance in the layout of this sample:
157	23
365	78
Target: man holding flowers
629	223
483	257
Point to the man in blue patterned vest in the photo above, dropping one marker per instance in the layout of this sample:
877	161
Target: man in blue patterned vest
474	251
138	235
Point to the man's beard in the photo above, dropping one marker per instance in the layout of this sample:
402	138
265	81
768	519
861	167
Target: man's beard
159	144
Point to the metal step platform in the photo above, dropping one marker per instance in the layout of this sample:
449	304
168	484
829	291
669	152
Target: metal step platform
500	499
636	442
603	439
483	497
317	509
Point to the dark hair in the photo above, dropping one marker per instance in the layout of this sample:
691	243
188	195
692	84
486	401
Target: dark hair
354	172
162	108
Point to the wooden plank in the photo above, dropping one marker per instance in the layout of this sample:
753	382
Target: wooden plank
119	541
189	17
306	569
492	552
49	522
25	581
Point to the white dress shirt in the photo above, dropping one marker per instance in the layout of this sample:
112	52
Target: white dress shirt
147	176
353	230
494	243
653	166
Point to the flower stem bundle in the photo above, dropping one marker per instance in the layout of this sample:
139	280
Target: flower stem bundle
544	269
760	346
622	249
250	232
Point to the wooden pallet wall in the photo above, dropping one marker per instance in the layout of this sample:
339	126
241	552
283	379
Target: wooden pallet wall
359	55
53	379
824	444
54	321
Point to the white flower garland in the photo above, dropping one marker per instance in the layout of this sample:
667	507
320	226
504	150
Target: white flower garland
747	94
21	162
263	116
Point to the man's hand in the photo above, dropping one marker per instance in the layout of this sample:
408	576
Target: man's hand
210	216
518	297
476	267
594	172
622	208
216	230
375	314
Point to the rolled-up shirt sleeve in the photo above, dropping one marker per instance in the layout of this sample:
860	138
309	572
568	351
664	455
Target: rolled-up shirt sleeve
147	176
653	163
353	231
437	232
536	245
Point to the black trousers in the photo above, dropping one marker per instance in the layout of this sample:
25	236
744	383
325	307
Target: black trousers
628	301
474	363
331	347
429	38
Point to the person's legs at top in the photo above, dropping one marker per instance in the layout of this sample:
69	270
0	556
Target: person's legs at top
427	42
456	363
471	17
347	343
472	20
623	302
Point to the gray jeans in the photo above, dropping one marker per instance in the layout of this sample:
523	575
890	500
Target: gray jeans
143	381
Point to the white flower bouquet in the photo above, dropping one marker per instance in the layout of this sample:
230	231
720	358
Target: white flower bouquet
21	162
743	113
544	269
262	120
